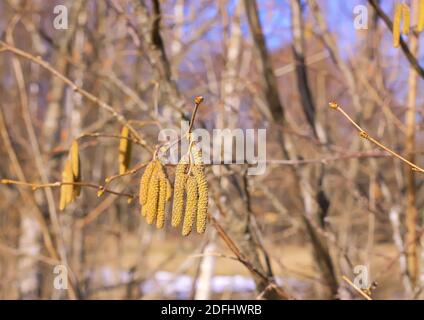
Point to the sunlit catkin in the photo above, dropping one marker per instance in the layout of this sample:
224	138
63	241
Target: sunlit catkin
152	196
191	205
203	197
179	190
197	155
198	171
168	190
125	149
66	189
144	182
396	25
76	164
420	23
406	15
161	212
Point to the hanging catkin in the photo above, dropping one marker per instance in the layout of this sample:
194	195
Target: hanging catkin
144	182
179	189
168	190
163	186
125	149
76	170
202	185
152	196
420	24
203	198
67	188
154	193
396	25
406	15
191	205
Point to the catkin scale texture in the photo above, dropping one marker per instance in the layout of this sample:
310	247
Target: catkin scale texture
179	190
191	205
406	14
76	167
203	197
152	196
202	185
420	23
168	190
125	150
144	182
163	185
69	178
144	211
66	190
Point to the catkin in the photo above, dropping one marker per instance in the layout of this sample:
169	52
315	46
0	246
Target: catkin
168	190
420	24
125	150
396	25
406	14
203	197
66	189
161	212
202	185
179	189
76	164
144	182
143	210
152	196
197	155
191	205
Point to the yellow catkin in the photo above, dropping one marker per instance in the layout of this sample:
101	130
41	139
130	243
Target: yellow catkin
66	190
203	197
125	150
143	210
160	222
396	25
197	154
152	196
406	14
420	24
179	190
76	167
202	185
191	205
144	182
168	190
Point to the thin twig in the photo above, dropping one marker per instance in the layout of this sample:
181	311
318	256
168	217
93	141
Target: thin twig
89	96
57	184
362	293
365	135
197	101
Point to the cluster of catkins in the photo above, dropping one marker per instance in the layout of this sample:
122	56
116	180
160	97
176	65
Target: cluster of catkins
155	192
190	203
190	193
71	174
403	12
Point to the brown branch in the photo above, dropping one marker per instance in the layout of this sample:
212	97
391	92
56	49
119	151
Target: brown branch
232	246
57	184
365	135
362	293
89	96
